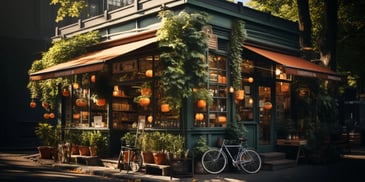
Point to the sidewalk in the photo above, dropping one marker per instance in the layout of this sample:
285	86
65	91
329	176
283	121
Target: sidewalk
348	168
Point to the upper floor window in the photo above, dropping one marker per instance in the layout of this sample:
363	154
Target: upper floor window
115	4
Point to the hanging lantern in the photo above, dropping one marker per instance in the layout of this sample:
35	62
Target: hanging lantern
149	119
93	78
75	85
33	104
149	73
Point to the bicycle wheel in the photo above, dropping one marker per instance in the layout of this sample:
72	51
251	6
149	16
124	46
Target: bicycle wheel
214	161
136	162
250	161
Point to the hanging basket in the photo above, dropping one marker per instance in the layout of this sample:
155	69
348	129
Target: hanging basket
267	105
144	101
201	103
240	94
81	102
165	107
101	102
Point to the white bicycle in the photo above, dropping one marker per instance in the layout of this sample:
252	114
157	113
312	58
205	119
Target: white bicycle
215	160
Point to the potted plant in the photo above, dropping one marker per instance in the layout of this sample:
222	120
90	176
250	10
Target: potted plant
98	144
101	87
48	136
85	143
146	89
199	148
142	100
202	96
178	155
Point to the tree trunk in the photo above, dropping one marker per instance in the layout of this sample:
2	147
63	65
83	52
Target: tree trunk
305	24
327	42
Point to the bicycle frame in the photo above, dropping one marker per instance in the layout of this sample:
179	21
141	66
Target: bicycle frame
225	148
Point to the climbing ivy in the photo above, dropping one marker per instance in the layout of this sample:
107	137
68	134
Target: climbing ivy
238	35
183	45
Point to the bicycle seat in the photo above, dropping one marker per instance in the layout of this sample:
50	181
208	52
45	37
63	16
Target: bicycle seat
242	139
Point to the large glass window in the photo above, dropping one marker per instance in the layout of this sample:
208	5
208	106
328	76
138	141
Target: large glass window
283	114
265	106
245	107
215	113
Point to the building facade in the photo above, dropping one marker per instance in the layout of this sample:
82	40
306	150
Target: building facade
129	54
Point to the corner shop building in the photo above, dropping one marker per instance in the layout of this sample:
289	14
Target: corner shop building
271	61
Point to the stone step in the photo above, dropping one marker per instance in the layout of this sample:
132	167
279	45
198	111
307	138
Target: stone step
278	164
270	156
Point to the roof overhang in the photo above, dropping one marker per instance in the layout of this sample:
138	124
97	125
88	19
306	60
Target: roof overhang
90	62
296	65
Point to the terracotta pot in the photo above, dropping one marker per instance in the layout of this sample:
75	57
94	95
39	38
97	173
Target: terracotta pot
76	116
201	103
100	102
240	94
267	105
148	157
46	152
199	116
81	102
33	104
160	158
84	150
222	119
145	101
75	150
93	151
146	91
165	107
66	92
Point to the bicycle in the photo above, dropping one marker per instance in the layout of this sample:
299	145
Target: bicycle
215	160
133	161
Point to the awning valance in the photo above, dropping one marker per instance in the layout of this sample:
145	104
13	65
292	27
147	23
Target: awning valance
93	61
296	65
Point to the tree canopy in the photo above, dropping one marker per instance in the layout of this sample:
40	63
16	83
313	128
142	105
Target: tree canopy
350	37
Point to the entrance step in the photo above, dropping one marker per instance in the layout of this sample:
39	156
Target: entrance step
111	163
276	160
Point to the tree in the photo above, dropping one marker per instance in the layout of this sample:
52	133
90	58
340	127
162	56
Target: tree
68	8
338	31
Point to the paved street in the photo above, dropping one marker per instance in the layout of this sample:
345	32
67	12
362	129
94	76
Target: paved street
15	167
18	167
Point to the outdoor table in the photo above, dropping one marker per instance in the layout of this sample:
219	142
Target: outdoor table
293	143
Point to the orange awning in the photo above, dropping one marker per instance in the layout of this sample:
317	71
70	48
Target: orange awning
93	61
296	65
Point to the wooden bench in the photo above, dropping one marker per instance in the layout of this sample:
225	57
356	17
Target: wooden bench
165	169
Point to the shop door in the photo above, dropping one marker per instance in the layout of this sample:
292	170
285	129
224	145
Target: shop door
265	108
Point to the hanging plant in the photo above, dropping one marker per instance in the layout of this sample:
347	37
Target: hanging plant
183	45
61	51
238	35
202	96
